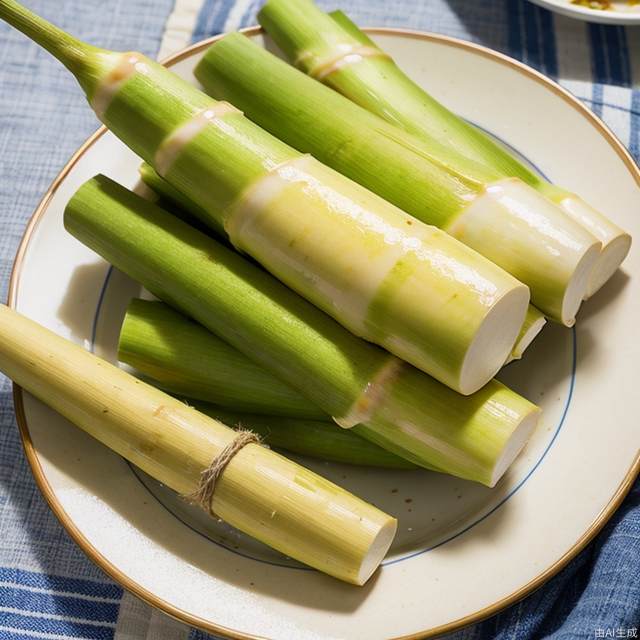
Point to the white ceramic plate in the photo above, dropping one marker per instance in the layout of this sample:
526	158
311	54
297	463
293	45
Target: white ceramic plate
621	12
463	551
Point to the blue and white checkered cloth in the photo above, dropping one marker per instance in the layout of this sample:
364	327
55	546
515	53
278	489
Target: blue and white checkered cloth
48	589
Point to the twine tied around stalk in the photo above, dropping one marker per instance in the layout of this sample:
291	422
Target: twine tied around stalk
203	494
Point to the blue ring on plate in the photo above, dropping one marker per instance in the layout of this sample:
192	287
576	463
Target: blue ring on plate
94	329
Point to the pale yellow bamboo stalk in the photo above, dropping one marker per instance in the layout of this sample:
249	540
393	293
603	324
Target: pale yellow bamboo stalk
260	492
533	324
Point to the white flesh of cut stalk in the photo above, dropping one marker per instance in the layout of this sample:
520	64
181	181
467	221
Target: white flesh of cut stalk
514	225
514	446
615	242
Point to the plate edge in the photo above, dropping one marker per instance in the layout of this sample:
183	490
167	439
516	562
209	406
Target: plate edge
187	618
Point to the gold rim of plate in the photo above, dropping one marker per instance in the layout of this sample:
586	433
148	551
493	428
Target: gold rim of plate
183	616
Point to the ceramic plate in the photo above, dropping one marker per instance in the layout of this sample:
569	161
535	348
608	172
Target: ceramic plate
619	12
462	551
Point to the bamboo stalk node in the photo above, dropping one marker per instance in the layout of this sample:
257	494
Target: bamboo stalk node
352	55
203	495
130	64
372	395
175	142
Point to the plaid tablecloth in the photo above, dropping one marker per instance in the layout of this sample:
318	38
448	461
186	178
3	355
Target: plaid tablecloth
48	589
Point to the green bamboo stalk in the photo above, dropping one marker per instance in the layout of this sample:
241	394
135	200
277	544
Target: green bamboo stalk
393	404
185	359
168	197
322	439
260	492
396	282
531	327
175	201
178	355
505	220
376	83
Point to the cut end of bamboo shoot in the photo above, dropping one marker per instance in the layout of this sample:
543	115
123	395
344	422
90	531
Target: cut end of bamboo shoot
494	341
377	551
515	445
609	260
615	241
578	286
472	437
531	237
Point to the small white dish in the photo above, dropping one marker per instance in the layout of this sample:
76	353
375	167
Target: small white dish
463	551
621	12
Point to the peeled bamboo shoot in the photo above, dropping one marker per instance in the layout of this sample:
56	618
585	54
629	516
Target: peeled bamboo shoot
260	492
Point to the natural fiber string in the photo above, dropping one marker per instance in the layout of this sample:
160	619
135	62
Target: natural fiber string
203	495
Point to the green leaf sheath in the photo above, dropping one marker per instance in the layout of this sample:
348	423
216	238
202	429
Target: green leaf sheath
473	435
431	425
180	356
320	439
168	197
186	359
406	104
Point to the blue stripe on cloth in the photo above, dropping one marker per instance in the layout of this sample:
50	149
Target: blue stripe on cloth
54	603
211	18
531	30
609	63
249	16
14	635
63	627
531	36
599	69
515	39
60	583
596	99
615	39
633	112
549	63
634	135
